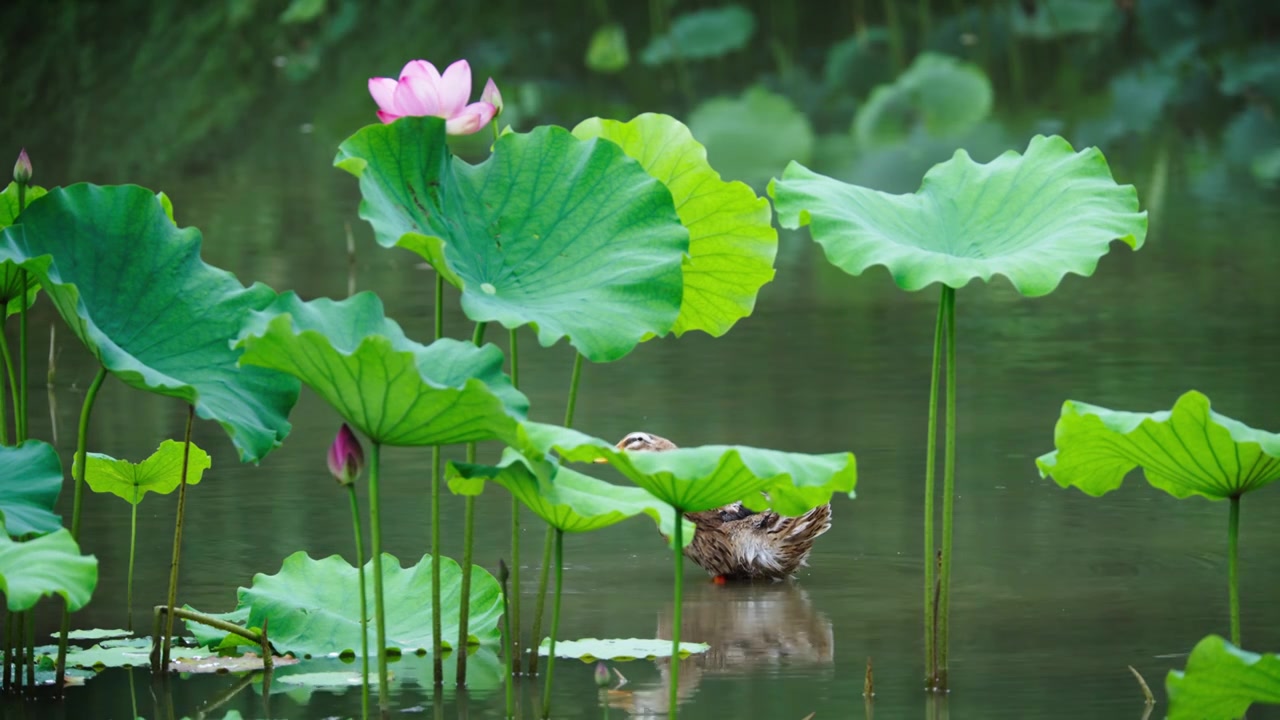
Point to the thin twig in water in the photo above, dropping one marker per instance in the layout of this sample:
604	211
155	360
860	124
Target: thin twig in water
1146	689
869	684
622	680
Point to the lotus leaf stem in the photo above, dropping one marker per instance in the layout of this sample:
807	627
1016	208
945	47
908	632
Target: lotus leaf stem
437	663
573	390
539	605
217	624
13	388
468	535
1233	560
364	608
177	542
676	619
514	634
20	420
930	474
506	631
375	532
133	546
948	493
439	306
77	471
555	622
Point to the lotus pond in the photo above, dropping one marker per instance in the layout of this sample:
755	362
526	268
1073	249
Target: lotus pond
485	312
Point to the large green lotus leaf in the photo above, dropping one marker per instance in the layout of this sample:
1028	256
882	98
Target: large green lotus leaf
161	473
702	34
1190	450
131	285
568	235
948	97
1032	218
1221	681
30	480
732	243
10	274
589	649
396	391
711	476
567	500
48	565
314	605
749	137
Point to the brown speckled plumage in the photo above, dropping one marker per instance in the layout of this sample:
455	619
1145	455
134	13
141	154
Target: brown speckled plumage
737	544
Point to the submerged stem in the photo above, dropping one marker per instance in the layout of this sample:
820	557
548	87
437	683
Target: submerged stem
437	663
541	602
177	543
555	623
1233	557
375	532
930	474
82	437
948	493
364	608
676	619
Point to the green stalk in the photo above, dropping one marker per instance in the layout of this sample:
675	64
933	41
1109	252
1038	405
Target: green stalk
133	545
930	474
555	623
20	399
948	494
375	531
514	635
177	543
13	388
573	390
82	437
439	309
364	609
437	662
1233	557
506	630
541	602
897	52
468	537
676	614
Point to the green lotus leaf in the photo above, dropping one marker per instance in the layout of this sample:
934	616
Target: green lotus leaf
161	473
212	637
48	565
1187	451
396	391
314	605
702	34
607	51
30	480
732	243
10	275
95	634
568	500
131	285
1221	681
116	656
711	476
946	96
749	137
592	649
1032	218
570	236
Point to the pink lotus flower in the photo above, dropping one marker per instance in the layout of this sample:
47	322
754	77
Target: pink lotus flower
346	457
422	90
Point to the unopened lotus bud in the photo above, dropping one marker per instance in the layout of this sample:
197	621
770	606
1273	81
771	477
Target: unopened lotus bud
602	675
346	457
22	169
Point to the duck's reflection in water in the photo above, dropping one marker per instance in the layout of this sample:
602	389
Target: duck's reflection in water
750	628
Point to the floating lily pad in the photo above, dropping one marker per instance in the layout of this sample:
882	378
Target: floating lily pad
30	480
1189	450
247	662
592	649
160	473
711	476
132	287
329	680
569	500
48	565
396	391
732	243
95	634
10	276
314	605
1033	218
116	656
570	236
74	677
943	94
702	34
749	137
1221	681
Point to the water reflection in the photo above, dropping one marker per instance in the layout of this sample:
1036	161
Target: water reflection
750	628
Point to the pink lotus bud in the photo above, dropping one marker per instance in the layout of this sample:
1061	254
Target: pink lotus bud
22	169
602	675
492	96
346	457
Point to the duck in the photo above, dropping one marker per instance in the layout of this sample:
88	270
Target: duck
735	543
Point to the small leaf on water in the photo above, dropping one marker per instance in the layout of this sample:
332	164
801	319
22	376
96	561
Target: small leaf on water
161	473
95	634
592	649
